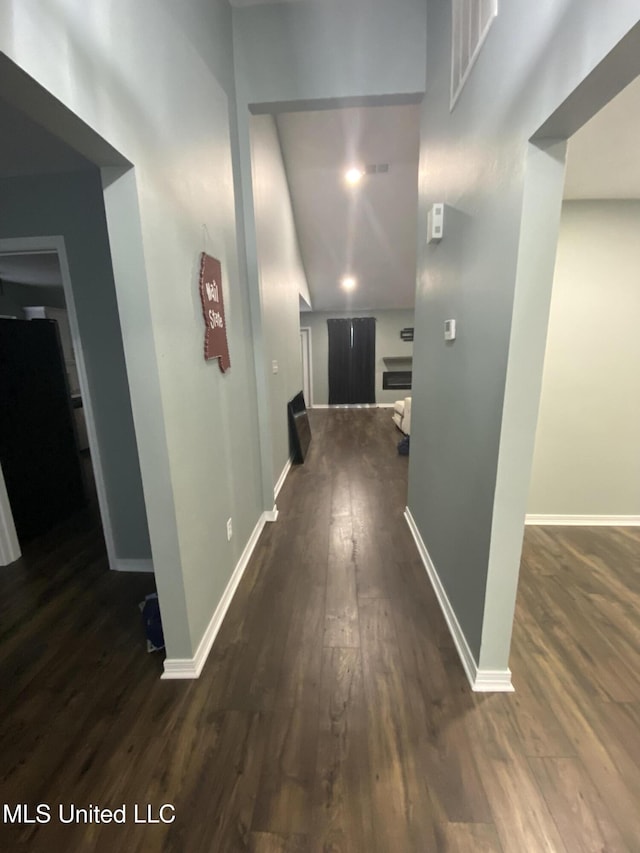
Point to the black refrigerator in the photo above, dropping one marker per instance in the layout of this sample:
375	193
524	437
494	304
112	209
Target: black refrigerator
38	448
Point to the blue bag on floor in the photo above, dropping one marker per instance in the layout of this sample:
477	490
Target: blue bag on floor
403	446
150	609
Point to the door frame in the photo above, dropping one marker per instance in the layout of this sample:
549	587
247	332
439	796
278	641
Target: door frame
539	234
9	545
307	364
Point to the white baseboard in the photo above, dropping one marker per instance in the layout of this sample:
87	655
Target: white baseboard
132	565
175	668
481	680
584	520
282	478
352	406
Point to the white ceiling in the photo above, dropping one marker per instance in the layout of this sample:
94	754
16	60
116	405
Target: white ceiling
370	231
367	231
40	268
604	155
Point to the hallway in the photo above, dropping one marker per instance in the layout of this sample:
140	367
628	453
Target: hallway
333	713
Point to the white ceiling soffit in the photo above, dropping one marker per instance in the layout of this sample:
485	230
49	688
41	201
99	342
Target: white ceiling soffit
26	148
40	268
603	160
367	231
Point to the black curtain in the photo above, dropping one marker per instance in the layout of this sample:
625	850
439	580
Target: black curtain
352	353
339	361
363	360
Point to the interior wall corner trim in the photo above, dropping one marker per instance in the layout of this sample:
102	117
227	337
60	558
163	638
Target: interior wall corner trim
481	680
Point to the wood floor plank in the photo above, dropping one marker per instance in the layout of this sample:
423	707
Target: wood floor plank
624	720
299	682
268	842
521	815
587	648
571	707
341	605
285	794
535	722
471	838
369	558
403	814
221	803
440	700
342	815
582	818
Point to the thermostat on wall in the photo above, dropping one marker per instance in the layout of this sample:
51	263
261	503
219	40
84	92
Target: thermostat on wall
449	330
435	223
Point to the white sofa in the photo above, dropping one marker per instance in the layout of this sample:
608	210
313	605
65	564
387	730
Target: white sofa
402	415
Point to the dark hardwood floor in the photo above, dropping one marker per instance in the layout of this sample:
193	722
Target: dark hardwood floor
333	714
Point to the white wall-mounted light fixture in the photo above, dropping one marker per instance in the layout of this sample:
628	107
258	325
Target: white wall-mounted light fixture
348	282
353	175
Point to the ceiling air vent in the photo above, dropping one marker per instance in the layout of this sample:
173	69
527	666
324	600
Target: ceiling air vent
376	169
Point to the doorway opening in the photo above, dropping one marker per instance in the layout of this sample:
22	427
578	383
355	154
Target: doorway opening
71	497
579	554
305	349
584	499
44	445
586	465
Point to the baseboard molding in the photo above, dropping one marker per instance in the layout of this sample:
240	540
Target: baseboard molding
175	668
584	520
282	478
481	680
132	565
352	406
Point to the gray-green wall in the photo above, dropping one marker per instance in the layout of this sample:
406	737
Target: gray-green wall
587	456
388	343
290	53
475	401
14	297
282	279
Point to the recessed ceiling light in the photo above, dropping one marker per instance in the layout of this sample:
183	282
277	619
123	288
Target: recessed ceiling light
353	175
348	282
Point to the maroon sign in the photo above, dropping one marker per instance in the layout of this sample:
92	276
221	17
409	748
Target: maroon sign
215	338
